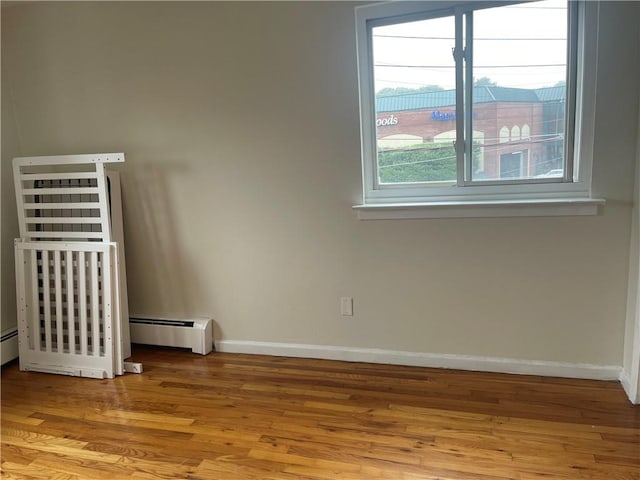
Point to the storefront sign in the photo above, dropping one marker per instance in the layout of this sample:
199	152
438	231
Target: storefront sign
439	116
387	121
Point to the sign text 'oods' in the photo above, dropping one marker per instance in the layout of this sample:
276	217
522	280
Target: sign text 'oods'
386	121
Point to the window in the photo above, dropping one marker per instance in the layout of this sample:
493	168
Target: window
504	135
515	133
440	84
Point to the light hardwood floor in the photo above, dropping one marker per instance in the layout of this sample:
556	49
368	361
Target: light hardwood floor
229	416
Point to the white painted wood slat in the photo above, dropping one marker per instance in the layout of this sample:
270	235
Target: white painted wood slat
61	191
65	235
82	302
31	177
34	313
62	206
71	324
46	292
69	159
63	220
58	300
24	336
95	305
104	203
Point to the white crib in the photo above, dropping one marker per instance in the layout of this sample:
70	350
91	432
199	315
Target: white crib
70	272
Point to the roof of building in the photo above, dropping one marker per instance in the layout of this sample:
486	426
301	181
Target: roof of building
446	98
551	94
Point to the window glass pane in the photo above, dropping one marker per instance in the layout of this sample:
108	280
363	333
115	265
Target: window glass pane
414	73
519	69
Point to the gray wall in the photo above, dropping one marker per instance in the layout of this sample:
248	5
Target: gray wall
240	125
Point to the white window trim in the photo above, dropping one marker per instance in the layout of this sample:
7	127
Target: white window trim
497	208
521	199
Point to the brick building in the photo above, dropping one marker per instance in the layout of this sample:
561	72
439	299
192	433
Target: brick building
520	132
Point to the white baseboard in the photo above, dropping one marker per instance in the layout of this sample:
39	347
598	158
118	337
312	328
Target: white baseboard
632	393
9	345
625	381
434	360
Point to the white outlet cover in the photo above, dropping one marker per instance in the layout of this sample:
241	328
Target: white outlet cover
346	306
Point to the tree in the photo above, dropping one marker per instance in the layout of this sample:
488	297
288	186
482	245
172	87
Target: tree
484	82
391	91
423	162
427	162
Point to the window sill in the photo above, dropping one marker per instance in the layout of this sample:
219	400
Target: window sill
477	209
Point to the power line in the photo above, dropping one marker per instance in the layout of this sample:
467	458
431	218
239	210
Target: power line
523	7
524	86
390	65
491	39
531	139
449	158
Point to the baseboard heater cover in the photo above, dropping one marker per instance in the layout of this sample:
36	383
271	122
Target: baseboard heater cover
196	334
9	345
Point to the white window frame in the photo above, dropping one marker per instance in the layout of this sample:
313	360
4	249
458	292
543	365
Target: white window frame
568	195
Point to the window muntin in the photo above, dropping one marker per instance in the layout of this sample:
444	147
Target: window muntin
405	114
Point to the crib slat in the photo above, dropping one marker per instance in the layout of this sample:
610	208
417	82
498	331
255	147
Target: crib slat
46	293
21	297
31	177
62	205
107	319
34	334
82	301
71	327
57	293
60	191
64	234
62	220
104	205
95	306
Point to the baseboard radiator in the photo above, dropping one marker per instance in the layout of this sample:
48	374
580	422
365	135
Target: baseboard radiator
196	334
9	345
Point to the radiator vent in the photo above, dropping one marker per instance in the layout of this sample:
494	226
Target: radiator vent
196	334
9	345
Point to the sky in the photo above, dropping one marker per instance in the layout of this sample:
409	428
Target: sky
522	46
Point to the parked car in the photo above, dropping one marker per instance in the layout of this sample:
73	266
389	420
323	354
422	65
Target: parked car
556	172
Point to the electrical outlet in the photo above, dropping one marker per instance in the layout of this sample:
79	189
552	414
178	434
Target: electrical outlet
346	306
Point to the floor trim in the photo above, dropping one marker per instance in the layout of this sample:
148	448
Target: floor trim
461	362
632	393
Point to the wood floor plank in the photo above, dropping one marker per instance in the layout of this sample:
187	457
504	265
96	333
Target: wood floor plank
126	468
21	419
231	416
12	470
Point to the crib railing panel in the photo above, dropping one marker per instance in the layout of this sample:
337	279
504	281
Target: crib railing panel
59	333
63	205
